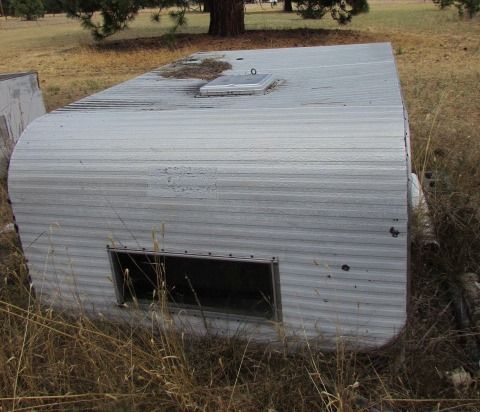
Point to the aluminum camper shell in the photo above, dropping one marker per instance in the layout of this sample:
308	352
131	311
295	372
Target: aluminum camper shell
314	174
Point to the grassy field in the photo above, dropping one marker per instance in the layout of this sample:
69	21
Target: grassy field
53	363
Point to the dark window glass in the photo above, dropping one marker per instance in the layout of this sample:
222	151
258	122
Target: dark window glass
245	287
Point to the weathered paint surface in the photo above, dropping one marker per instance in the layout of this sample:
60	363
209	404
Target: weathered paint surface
21	102
314	173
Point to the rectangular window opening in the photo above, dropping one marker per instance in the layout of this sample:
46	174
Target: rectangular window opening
247	287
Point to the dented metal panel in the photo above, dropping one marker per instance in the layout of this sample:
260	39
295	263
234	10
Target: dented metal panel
313	173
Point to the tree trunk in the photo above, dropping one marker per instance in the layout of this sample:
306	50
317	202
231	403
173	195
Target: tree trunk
2	10
226	18
207	6
287	6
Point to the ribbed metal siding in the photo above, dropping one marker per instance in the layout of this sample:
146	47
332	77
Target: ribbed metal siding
21	102
313	173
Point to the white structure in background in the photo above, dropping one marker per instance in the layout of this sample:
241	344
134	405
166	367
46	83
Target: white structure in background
21	102
286	210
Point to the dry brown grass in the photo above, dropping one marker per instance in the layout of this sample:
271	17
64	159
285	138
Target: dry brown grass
52	362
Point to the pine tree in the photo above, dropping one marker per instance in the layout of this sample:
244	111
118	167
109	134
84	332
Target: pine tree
116	15
464	7
28	9
442	4
469	7
341	10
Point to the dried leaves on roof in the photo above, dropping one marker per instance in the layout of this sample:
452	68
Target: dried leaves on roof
207	69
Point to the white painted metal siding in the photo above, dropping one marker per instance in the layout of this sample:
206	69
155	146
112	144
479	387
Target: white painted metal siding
21	102
314	173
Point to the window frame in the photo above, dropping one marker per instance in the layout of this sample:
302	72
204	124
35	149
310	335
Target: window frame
209	311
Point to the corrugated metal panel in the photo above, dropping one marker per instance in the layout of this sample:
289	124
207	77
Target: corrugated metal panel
314	173
21	102
8	76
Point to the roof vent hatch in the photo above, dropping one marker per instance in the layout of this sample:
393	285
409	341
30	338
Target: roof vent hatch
238	85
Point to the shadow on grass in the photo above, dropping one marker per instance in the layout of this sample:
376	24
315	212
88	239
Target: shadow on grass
251	39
